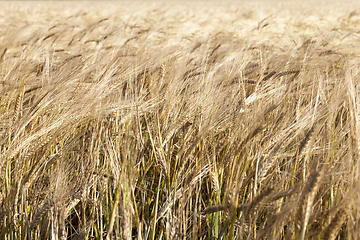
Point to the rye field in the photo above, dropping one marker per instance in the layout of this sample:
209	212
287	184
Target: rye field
180	120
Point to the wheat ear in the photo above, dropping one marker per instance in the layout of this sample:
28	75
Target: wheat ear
331	231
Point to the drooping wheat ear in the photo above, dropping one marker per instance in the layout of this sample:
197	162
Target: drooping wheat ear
223	207
259	200
214	176
230	197
305	204
18	103
305	141
174	233
169	133
29	179
302	146
332	230
214	209
169	203
250	136
278	138
3	54
260	127
214	181
214	50
40	213
268	163
36	146
162	162
277	219
293	190
70	206
354	117
39	144
297	109
162	71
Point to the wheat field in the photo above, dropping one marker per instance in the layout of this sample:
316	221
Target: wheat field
180	120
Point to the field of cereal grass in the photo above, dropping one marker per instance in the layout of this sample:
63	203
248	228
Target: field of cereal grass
179	120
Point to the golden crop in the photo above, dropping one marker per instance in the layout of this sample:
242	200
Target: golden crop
179	120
